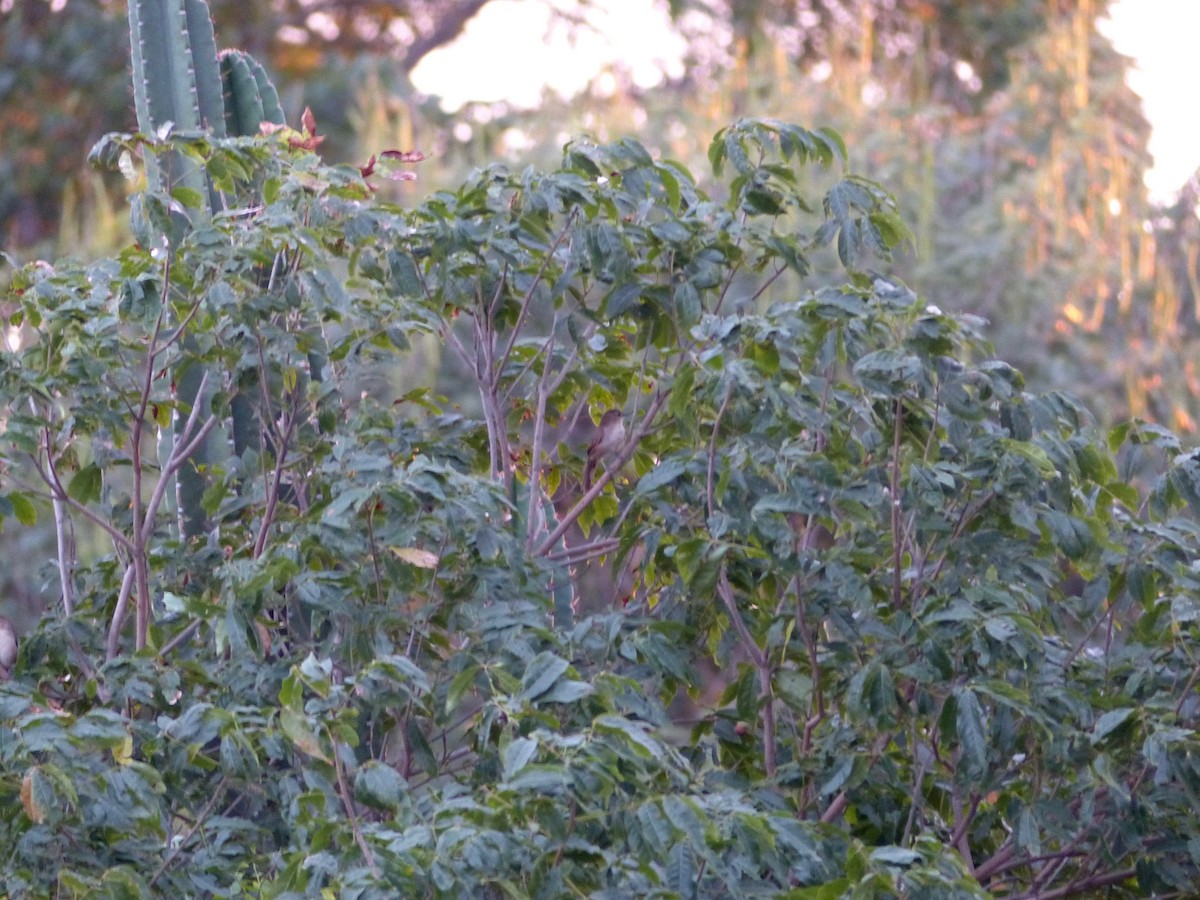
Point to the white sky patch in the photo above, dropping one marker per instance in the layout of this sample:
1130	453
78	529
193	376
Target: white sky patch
1161	36
511	52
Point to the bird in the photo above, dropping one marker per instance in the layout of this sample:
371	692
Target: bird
8	647
609	436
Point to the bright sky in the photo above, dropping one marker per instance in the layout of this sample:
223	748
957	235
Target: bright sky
1160	35
510	52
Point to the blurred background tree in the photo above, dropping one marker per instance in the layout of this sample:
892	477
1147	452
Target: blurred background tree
64	83
1005	127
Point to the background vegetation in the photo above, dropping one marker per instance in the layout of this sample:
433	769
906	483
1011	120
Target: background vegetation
855	611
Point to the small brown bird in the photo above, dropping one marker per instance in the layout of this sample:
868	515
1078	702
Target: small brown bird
8	648
609	436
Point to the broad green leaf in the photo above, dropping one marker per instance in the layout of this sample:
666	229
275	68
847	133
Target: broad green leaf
517	755
379	786
23	509
1110	722
541	674
637	735
301	731
895	856
422	559
971	733
660	476
37	795
419	747
84	486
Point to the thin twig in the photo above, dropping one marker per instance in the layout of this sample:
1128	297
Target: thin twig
539	431
180	638
527	301
761	664
179	844
58	491
268	519
897	533
591	550
348	804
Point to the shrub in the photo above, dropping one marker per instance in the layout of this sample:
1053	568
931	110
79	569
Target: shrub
935	632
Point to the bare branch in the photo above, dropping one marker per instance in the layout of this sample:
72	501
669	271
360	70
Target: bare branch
285	436
763	666
64	538
836	808
897	530
591	550
527	301
180	638
57	491
348	804
539	430
113	648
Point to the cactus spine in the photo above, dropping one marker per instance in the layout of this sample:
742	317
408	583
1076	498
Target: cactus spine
179	78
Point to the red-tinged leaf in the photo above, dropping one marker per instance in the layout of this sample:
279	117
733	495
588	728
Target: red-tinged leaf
308	142
308	121
37	795
404	156
369	168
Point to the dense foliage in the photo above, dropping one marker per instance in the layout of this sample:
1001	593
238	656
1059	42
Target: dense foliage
945	633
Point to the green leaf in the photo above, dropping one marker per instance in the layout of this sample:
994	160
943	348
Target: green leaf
716	152
1027	835
85	486
1110	722
566	691
895	856
835	141
832	890
889	371
299	729
418	746
660	476
518	754
23	509
972	735
379	786
460	684
634	732
541	674
189	197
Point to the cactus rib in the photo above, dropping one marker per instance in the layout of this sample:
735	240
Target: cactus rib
183	84
250	97
179	78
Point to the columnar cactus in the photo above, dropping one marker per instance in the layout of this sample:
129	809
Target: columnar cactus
249	96
180	79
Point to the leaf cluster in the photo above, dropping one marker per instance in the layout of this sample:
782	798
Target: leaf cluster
850	612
